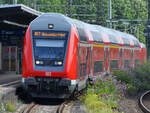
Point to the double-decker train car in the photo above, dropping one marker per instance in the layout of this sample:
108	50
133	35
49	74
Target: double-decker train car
61	53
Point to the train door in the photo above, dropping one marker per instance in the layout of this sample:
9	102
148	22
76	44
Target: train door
83	58
88	60
106	59
121	57
91	60
9	58
132	58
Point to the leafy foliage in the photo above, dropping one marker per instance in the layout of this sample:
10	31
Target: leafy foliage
10	108
104	95
122	76
95	106
2	108
137	79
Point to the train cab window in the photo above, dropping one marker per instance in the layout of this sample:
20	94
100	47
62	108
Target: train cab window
98	66
49	52
49	48
114	64
82	34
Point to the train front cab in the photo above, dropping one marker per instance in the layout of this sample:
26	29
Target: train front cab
44	75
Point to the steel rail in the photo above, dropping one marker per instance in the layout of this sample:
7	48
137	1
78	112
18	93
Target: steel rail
11	83
63	105
141	105
29	108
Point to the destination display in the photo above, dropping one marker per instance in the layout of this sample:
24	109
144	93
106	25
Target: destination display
48	34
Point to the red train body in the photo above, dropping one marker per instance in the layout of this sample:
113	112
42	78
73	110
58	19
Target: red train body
61	53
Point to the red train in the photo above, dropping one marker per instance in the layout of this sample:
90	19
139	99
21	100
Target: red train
61	53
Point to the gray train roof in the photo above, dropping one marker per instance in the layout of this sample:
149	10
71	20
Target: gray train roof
58	20
98	33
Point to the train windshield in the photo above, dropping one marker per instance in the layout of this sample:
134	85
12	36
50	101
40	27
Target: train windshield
49	47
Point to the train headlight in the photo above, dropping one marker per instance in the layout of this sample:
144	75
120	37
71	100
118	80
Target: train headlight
37	62
50	26
58	62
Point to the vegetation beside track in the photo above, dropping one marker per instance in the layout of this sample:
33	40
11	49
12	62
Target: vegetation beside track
137	79
106	93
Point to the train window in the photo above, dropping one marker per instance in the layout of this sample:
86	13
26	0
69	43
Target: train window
82	34
49	52
96	36
83	69
49	49
98	66
114	64
127	63
131	54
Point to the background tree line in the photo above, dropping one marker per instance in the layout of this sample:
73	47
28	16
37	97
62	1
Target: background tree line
127	15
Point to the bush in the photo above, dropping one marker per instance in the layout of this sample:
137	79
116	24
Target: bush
2	108
10	108
138	78
104	95
131	90
94	105
122	76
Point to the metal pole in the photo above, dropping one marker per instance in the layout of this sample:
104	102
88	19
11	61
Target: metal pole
14	1
35	3
148	30
125	30
29	2
103	12
109	13
98	12
70	8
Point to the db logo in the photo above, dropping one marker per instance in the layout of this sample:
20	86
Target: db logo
48	74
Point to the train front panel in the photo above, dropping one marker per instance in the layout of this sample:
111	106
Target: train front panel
50	58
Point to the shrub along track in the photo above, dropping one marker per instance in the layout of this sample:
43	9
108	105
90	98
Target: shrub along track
144	102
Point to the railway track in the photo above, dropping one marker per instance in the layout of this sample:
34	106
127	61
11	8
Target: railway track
65	107
28	108
144	102
52	106
36	108
12	84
